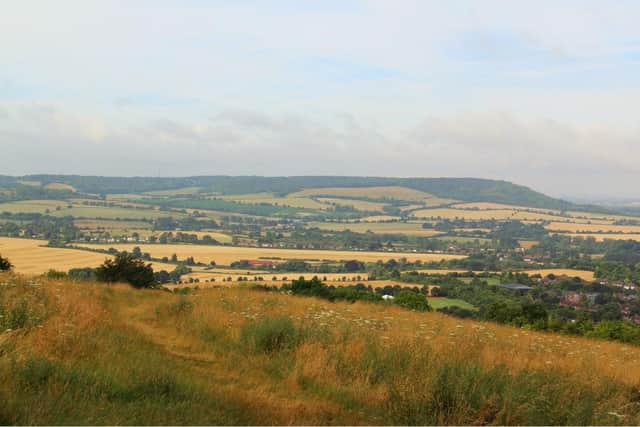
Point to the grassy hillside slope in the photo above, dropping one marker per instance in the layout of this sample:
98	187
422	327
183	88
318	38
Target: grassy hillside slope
466	189
78	353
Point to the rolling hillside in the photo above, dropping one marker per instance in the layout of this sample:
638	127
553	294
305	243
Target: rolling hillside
463	189
75	352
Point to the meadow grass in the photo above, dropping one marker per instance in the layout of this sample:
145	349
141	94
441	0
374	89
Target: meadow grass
108	354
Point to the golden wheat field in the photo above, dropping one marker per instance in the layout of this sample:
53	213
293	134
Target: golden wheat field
409	228
224	255
268	277
33	206
360	205
604	236
110	224
493	206
501	214
583	274
30	257
379	218
497	214
272	199
388	192
527	244
592	228
60	186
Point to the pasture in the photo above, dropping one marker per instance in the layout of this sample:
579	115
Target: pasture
225	255
437	303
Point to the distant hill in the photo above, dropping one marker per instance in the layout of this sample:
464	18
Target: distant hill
465	189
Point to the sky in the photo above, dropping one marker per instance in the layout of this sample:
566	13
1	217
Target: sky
540	93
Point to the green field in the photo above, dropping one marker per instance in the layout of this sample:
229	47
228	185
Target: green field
437	303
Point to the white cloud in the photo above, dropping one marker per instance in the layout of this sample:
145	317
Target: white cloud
540	93
548	155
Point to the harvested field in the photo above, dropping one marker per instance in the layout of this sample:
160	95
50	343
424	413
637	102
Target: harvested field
271	199
583	274
494	206
592	228
379	218
60	186
410	228
386	192
29	257
33	206
527	244
605	236
487	214
224	255
176	192
108	225
360	205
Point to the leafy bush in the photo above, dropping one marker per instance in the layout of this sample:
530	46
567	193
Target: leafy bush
5	265
37	371
55	274
18	316
126	268
412	300
270	335
86	273
181	306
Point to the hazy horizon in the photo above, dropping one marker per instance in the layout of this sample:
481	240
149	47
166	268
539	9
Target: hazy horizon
539	94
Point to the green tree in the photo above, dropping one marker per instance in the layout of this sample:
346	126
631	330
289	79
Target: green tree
127	268
412	300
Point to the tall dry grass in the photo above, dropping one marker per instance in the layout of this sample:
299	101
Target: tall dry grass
98	354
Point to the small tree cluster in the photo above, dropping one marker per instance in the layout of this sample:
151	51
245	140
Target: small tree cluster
127	268
5	265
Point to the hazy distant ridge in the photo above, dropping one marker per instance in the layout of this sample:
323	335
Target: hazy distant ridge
466	189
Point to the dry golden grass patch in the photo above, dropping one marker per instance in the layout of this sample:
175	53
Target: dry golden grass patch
334	364
516	348
225	255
